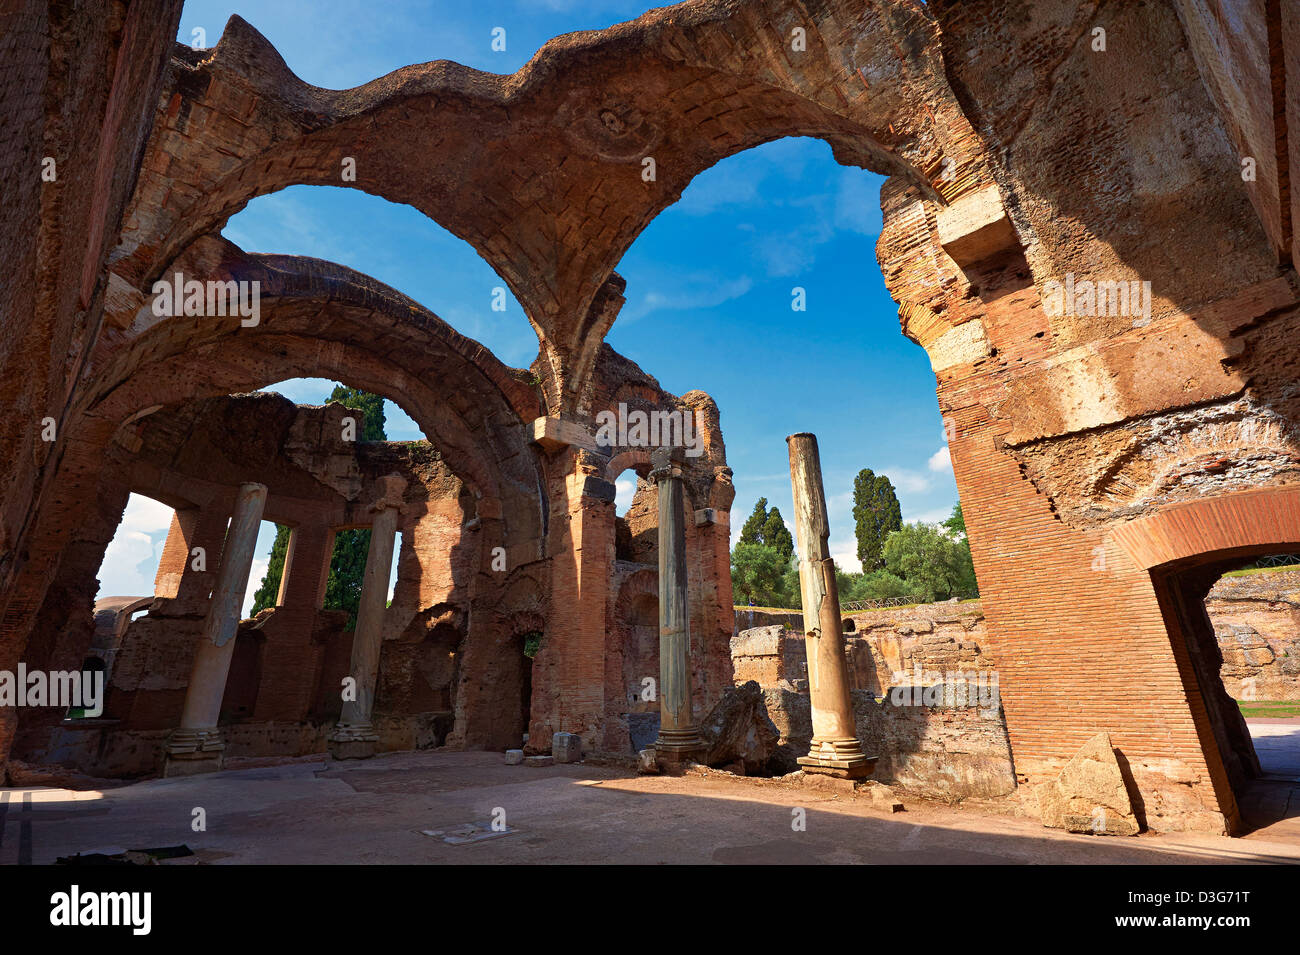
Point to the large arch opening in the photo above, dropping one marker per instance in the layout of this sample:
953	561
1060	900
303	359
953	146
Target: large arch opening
452	396
1230	614
403	248
789	227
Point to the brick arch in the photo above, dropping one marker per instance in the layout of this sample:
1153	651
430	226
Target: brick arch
632	459
1185	548
643	583
317	320
1217	529
541	171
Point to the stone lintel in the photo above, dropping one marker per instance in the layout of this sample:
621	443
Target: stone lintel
711	515
975	227
556	434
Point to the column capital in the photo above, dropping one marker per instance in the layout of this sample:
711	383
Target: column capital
663	474
390	492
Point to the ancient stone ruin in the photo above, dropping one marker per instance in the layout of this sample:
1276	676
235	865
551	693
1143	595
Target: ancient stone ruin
1098	259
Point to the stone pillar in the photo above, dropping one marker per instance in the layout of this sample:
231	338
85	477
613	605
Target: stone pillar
835	748
354	737
196	747
569	671
679	737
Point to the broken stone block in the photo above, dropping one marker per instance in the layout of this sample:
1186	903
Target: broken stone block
823	781
514	757
738	730
757	641
1089	795
975	226
881	796
566	748
646	764
539	760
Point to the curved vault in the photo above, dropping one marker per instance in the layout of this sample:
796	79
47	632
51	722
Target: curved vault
541	171
324	320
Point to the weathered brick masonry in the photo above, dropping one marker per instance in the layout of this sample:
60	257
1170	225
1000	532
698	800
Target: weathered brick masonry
951	747
1112	461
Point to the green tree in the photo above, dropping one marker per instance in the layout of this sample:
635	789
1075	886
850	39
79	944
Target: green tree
791	592
372	406
876	513
955	525
882	585
270	589
766	526
757	575
933	565
348	561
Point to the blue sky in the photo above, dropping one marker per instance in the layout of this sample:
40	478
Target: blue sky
709	282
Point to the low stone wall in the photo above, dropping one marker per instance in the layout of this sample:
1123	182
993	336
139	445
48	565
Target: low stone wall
938	751
937	726
941	746
101	748
1256	620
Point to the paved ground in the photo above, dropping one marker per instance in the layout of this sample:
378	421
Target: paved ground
1272	805
1277	744
316	811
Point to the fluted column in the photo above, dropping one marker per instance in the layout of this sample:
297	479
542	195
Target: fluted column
354	736
835	747
679	737
196	746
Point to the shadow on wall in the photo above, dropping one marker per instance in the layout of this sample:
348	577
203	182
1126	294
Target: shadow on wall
938	750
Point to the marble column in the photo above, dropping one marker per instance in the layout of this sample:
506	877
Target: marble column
835	748
196	746
679	738
354	737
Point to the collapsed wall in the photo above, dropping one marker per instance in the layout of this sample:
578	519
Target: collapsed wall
1109	448
925	700
926	692
1256	621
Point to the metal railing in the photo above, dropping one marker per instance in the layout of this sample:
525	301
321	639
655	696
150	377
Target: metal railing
883	602
1276	560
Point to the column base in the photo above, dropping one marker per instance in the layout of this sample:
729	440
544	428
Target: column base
675	749
353	741
191	752
841	758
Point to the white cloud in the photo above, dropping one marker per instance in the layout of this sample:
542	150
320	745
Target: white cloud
927	517
908	481
691	292
624	491
940	460
146	516
254	582
845	555
131	559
